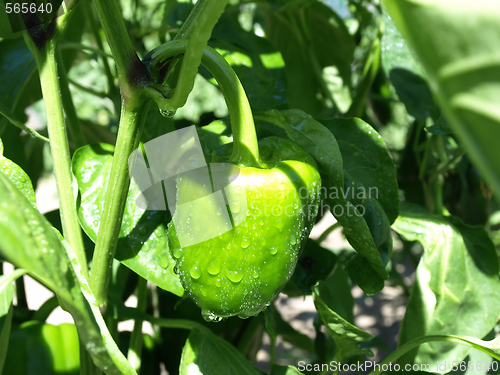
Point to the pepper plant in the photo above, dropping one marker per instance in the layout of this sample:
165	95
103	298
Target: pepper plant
382	115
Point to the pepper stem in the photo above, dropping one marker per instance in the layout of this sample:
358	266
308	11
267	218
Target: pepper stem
245	147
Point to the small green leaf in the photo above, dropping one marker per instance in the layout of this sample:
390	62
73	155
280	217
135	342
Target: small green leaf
143	244
456	286
336	293
206	354
315	263
17	176
414	93
347	336
6	298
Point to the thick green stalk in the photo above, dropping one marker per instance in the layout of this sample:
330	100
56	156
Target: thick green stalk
130	68
245	147
132	118
49	78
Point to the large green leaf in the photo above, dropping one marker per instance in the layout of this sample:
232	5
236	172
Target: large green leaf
28	241
369	235
6	298
257	63
206	354
457	44
143	244
457	284
314	43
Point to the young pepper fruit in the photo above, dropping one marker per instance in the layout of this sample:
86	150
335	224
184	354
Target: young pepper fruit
241	271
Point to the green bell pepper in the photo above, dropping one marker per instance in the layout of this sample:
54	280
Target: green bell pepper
241	271
271	206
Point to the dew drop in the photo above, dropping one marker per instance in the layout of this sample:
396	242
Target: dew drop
167	114
96	223
218	283
245	243
255	274
235	276
273	250
293	239
209	316
214	267
177	252
163	261
195	273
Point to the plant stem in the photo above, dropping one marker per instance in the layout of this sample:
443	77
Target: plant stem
369	73
245	147
130	313
88	90
135	347
127	61
75	130
112	89
327	232
200	25
49	78
467	341
83	47
132	118
21	293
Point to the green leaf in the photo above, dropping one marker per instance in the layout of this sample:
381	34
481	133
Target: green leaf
414	93
336	293
205	353
457	284
311	38
17	176
276	326
347	336
367	164
369	235
458	49
284	370
315	263
259	66
6	298
16	67
395	50
28	241
143	243
38	348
